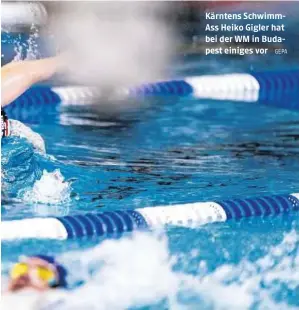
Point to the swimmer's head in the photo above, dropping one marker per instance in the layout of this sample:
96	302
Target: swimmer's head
39	272
61	271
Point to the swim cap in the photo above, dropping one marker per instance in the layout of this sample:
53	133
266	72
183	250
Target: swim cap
61	271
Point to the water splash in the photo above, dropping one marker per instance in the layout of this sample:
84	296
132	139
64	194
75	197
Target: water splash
26	46
255	284
50	189
18	49
140	271
33	49
120	274
23	175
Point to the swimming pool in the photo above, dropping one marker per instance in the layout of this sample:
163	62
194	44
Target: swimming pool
164	151
167	151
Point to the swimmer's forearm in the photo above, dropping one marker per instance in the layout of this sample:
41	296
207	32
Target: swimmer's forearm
17	77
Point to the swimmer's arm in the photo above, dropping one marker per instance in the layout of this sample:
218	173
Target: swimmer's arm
17	77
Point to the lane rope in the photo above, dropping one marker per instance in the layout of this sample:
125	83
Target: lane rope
116	223
277	89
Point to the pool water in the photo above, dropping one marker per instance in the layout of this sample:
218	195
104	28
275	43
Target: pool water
163	151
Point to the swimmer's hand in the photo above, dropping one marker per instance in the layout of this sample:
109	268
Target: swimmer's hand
17	77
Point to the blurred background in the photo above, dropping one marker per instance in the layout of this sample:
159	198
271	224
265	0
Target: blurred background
127	43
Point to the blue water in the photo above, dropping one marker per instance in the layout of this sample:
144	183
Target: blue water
163	151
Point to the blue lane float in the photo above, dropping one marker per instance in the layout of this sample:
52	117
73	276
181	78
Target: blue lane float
277	89
116	223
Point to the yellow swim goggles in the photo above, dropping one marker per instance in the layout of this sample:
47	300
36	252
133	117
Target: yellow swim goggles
43	273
